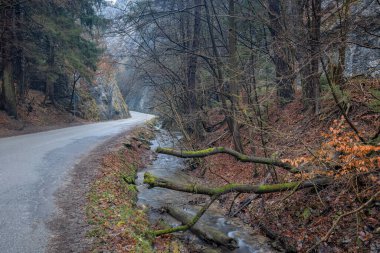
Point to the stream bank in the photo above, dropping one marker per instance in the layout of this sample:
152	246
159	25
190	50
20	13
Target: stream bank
121	211
248	239
96	209
114	223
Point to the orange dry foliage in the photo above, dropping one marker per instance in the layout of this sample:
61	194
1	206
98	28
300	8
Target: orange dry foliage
342	153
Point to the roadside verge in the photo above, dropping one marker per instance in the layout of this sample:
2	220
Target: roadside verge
96	206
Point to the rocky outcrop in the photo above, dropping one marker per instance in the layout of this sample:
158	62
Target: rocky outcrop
106	92
108	98
101	99
363	51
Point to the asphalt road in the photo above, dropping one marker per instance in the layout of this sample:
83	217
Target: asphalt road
32	167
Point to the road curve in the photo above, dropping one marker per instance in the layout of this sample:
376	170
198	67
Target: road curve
32	167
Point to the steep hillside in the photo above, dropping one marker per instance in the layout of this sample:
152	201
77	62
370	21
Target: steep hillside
91	101
35	116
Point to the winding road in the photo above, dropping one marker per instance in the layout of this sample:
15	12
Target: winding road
33	167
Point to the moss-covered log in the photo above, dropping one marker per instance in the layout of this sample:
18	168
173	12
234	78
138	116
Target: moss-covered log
154	181
203	231
188	224
222	150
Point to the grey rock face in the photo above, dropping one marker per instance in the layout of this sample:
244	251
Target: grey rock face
140	99
109	100
363	50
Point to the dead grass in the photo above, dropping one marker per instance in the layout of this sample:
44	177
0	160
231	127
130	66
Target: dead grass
118	225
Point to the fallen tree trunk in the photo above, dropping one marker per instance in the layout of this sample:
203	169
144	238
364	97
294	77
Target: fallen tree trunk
191	223
216	192
154	181
203	231
222	150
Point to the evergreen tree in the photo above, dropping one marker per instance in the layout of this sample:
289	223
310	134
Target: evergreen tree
46	41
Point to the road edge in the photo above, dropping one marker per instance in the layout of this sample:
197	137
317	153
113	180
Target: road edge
68	225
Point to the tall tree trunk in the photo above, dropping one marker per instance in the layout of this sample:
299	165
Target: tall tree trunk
219	74
217	61
192	72
193	58
302	52
9	92
9	98
49	92
234	77
312	88
19	52
338	70
76	77
282	58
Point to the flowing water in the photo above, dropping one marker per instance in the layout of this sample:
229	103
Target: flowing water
171	167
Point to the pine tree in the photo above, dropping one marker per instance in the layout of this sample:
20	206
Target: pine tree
46	41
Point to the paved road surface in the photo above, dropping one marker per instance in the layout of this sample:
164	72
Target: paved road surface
32	167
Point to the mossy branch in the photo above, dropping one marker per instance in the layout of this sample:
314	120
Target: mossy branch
154	181
216	192
222	150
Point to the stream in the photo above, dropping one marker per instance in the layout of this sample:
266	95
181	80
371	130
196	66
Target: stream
171	167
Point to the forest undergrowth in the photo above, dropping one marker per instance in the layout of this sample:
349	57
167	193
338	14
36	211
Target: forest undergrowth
34	116
342	217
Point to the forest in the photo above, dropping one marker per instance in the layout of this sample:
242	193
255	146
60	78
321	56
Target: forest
277	104
287	91
53	56
44	47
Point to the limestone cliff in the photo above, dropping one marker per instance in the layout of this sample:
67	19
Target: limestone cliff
102	99
363	54
109	100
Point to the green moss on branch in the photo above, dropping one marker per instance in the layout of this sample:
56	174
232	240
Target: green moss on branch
153	181
222	150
